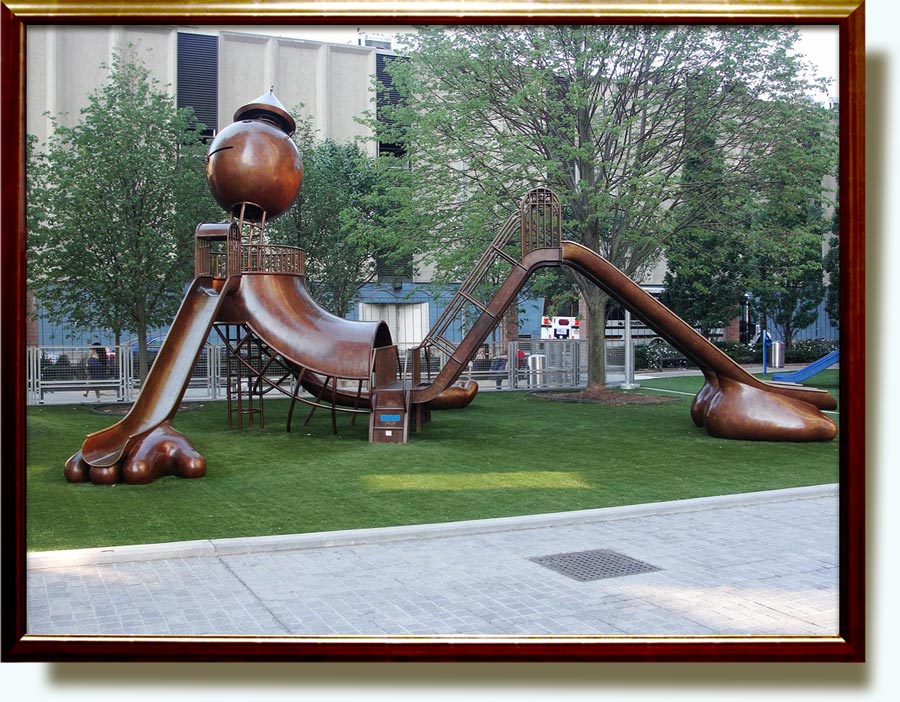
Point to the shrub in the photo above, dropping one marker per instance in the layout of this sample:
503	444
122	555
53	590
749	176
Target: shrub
809	350
741	353
641	357
806	351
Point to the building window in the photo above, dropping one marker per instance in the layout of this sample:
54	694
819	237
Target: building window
198	78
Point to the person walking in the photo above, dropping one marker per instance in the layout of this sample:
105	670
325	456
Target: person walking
96	367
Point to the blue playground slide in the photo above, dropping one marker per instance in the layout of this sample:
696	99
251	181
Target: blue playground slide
798	376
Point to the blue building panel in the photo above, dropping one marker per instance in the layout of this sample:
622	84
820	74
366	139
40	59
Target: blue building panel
438	298
63	333
66	333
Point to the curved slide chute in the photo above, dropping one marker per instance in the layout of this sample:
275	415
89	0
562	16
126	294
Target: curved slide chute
280	311
100	454
733	403
454	397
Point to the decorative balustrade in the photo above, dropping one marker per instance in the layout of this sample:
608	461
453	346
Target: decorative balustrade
541	217
220	254
269	258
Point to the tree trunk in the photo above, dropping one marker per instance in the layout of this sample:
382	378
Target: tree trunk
510	322
596	304
787	331
143	356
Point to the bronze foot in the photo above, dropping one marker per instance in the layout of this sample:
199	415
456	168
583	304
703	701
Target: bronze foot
739	411
163	451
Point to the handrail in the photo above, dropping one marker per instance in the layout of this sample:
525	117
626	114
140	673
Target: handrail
538	224
383	357
272	258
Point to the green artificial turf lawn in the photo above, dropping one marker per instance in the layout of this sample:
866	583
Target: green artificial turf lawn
506	454
826	380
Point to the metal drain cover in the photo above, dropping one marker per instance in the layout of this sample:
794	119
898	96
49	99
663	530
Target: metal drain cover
594	565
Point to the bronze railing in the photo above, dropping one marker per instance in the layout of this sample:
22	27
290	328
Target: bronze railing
269	258
217	250
541	216
224	256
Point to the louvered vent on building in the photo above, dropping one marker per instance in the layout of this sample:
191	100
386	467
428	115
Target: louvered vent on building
387	96
391	269
198	77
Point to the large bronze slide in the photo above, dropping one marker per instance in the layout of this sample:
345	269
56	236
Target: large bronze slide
146	430
278	308
732	404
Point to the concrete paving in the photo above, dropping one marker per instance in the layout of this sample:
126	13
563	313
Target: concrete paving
756	564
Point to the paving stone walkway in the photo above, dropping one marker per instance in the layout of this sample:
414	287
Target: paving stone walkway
760	564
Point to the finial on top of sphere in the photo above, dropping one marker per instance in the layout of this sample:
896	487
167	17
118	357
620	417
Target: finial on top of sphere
268	107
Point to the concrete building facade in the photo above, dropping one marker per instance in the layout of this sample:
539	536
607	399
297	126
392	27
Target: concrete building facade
331	84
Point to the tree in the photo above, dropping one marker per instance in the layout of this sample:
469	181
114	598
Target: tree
788	224
705	260
769	240
790	268
113	203
595	112
703	281
336	219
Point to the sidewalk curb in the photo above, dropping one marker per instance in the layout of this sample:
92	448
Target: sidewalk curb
213	548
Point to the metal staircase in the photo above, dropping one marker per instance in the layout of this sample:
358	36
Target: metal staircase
475	309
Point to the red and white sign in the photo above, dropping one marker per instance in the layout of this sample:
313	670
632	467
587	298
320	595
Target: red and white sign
560	328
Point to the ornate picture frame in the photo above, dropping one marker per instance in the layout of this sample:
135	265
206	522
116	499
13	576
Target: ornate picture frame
848	645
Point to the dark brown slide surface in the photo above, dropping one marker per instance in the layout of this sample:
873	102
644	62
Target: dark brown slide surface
167	379
278	308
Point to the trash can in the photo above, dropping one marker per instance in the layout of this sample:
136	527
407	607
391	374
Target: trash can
537	365
777	354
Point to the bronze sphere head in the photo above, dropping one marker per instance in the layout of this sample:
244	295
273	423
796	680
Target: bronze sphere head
254	163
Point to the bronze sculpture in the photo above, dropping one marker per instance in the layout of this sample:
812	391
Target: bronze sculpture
254	295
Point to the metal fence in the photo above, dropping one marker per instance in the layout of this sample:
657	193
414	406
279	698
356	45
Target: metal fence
60	374
539	364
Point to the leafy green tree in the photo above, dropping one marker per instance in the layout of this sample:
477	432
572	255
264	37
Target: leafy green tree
787	222
768	240
595	112
790	264
705	260
113	203
704	278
